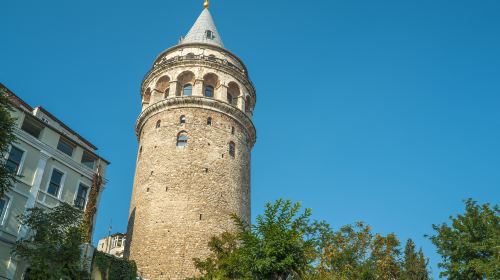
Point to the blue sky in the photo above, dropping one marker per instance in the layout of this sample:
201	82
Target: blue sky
381	111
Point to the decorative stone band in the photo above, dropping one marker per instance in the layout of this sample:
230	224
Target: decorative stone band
199	60
198	102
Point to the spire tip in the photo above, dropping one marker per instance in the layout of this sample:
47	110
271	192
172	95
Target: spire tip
206	4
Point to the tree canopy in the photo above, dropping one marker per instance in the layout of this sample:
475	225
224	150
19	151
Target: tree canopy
7	125
52	247
470	245
284	243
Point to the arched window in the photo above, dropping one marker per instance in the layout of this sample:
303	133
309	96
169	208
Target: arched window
209	121
158	124
230	98
187	90
209	91
182	139
182	119
232	149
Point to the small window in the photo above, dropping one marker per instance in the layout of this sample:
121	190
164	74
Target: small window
232	130
158	124
182	139
187	90
209	91
32	127
55	182
88	159
230	99
182	119
14	160
209	121
232	149
81	196
65	146
4	202
210	35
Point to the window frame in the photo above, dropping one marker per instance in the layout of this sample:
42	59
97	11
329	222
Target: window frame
212	91
5	211
209	34
80	183
61	187
158	124
85	152
232	149
23	158
209	121
35	122
184	89
182	119
186	141
66	141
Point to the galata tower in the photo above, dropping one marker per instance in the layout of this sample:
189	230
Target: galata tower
195	136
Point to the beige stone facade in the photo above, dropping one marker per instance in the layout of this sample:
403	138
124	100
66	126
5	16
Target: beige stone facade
193	166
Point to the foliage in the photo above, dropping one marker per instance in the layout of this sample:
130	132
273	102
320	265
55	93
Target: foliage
91	209
53	246
7	124
113	268
284	244
470	246
278	246
414	264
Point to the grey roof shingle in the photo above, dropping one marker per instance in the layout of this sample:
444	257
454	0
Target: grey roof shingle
198	33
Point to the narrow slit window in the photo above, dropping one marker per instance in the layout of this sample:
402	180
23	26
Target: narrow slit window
209	121
182	119
182	139
232	149
158	124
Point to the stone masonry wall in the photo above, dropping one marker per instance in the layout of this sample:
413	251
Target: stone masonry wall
184	196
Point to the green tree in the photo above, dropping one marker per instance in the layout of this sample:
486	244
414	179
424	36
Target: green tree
7	124
414	264
470	246
385	256
52	247
279	245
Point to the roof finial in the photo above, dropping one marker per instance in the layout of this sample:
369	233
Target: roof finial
206	4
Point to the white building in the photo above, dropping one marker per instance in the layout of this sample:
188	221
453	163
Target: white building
54	164
113	244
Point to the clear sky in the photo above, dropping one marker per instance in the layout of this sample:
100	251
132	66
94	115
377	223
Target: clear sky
381	111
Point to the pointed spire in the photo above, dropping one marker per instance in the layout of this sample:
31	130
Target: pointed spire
204	30
206	4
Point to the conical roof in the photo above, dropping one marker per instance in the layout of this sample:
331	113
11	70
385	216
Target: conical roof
204	31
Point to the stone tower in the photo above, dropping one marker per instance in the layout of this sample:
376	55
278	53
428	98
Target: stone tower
195	136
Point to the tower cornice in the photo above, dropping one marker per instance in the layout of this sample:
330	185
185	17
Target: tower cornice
202	103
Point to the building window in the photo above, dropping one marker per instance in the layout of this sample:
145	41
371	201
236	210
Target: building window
232	130
210	35
209	121
31	126
230	98
167	92
65	146
4	202
158	124
55	182
182	139
232	149
14	160
209	91
182	119
81	196
187	90
88	160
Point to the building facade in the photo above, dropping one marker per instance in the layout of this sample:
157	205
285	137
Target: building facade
195	136
113	244
53	163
